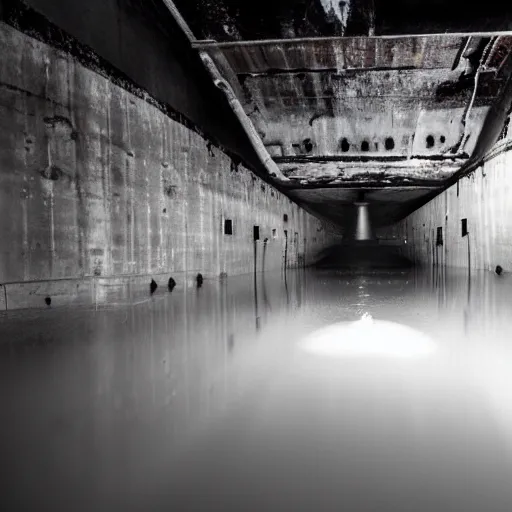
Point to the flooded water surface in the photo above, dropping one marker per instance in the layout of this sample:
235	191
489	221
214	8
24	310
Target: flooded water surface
310	391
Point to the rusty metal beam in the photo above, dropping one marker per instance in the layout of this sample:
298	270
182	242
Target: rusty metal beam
245	123
180	20
393	184
271	167
208	43
457	159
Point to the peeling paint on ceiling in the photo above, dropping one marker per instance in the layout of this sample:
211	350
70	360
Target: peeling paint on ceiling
368	112
381	114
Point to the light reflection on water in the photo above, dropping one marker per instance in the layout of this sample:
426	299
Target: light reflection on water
368	337
204	400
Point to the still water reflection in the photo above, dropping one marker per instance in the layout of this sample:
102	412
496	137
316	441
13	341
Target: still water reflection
207	399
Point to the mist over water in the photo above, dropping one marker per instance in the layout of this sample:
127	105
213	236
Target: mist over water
321	391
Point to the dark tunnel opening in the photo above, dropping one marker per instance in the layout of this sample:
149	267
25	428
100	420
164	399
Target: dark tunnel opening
360	251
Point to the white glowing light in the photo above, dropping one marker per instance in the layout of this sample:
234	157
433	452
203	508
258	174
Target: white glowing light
369	338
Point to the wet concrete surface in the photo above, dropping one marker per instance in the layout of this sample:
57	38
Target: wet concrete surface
223	397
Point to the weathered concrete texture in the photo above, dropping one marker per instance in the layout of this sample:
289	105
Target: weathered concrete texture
372	173
371	112
403	96
483	199
138	46
228	20
99	185
386	204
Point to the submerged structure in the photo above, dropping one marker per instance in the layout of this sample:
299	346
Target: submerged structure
173	166
160	140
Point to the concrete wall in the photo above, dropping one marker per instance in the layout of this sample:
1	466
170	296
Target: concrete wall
484	199
136	44
100	190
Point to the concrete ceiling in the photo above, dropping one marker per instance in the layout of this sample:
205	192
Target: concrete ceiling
391	117
237	20
335	204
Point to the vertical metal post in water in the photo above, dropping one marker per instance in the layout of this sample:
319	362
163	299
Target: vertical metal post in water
363	228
